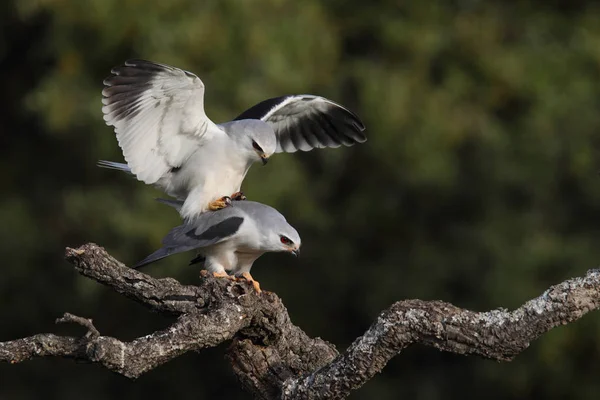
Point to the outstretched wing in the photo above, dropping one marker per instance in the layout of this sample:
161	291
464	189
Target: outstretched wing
304	122
158	115
213	229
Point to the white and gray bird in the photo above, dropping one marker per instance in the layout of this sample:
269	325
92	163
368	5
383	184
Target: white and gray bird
167	140
230	240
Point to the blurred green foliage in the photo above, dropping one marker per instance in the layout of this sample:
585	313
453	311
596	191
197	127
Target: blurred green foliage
478	185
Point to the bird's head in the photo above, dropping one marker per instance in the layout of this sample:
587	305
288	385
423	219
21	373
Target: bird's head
279	236
290	245
259	140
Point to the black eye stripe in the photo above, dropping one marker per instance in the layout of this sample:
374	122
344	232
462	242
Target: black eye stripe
256	146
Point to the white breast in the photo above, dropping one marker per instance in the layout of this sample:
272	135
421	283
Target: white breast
214	171
220	257
236	254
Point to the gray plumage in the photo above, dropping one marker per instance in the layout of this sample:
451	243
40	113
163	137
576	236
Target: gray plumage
230	239
158	115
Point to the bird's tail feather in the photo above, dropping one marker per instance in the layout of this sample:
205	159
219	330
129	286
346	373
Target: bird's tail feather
163	252
157	255
114	165
176	204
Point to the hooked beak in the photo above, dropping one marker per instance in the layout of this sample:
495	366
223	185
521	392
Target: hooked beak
264	159
296	252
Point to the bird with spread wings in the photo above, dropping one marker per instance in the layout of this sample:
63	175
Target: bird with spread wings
167	140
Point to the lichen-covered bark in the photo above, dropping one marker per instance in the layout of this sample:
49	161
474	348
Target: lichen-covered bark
264	356
498	334
273	358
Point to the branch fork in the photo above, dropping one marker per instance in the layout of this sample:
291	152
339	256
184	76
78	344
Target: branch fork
273	358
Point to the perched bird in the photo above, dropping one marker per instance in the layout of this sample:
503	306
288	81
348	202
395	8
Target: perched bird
158	115
230	240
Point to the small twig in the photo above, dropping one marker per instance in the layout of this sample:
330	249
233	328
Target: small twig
92	332
275	359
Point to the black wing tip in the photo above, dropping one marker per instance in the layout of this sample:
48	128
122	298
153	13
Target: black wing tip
358	135
143	64
133	69
356	128
343	127
355	133
355	140
352	118
132	62
359	125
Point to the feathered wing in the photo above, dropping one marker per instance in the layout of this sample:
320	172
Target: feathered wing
114	165
159	254
158	115
304	122
211	229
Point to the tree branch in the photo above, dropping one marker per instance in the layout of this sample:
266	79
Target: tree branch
274	358
498	335
130	359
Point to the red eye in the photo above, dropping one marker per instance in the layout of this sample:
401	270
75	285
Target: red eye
285	240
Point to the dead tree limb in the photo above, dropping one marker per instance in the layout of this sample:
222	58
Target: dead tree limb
275	359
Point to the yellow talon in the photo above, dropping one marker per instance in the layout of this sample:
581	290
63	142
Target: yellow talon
223	275
250	279
245	275
219	204
238	196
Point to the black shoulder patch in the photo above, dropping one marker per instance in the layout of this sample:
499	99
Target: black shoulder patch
261	109
221	230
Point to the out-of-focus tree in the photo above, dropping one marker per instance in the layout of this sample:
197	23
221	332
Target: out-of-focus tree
478	184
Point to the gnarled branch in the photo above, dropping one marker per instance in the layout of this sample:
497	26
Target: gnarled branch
274	358
498	334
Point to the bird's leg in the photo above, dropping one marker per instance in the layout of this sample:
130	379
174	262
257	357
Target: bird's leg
249	278
219	203
223	274
237	196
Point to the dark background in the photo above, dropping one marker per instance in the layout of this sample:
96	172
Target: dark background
479	183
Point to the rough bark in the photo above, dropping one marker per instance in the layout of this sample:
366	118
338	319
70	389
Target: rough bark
273	358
